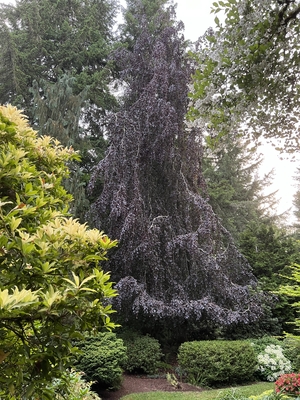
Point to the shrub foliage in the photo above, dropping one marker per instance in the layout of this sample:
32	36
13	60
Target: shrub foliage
291	347
217	361
143	354
288	384
77	387
51	285
100	359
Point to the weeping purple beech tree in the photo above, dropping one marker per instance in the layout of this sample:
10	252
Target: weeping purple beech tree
175	263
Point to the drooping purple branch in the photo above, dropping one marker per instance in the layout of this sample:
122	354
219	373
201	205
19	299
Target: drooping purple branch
174	259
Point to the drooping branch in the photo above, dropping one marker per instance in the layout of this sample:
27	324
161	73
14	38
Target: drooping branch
175	261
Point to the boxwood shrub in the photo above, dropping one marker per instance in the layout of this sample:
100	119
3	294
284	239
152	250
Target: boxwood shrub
143	354
214	362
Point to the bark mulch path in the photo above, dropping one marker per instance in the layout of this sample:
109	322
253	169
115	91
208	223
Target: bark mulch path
138	384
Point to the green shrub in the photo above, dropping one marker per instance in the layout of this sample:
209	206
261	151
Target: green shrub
291	348
143	355
218	361
52	286
101	358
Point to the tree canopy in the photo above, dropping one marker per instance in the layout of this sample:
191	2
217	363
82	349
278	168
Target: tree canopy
131	29
248	74
175	262
51	285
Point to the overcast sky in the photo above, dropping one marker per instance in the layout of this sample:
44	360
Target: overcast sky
196	17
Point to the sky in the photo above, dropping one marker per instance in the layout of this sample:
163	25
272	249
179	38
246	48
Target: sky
196	16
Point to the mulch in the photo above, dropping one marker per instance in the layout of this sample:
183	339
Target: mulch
138	384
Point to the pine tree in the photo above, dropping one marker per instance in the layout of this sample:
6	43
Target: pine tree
130	30
175	263
54	65
236	191
57	112
237	195
42	41
45	40
271	250
57	109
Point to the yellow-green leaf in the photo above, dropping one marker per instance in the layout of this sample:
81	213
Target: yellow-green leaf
14	223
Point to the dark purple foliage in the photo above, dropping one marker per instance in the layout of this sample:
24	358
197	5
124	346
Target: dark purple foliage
174	259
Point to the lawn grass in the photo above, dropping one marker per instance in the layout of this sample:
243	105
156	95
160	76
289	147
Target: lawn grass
249	390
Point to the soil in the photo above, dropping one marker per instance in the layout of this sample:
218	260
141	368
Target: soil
138	384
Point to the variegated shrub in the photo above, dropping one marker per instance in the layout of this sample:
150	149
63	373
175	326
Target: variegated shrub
52	287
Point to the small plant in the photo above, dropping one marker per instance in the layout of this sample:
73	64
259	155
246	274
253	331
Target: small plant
172	379
180	372
272	363
78	388
232	394
288	384
235	394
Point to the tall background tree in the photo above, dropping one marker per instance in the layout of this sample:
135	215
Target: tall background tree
131	29
176	266
270	250
54	64
45	40
237	191
249	71
57	112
